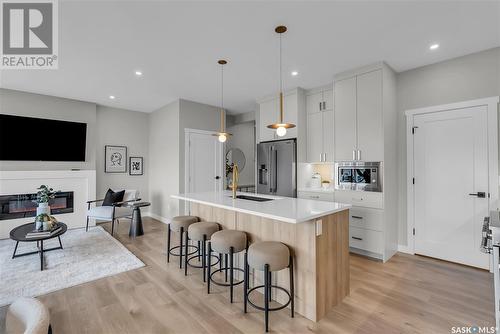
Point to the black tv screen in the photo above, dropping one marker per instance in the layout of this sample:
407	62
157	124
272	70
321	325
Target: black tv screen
37	139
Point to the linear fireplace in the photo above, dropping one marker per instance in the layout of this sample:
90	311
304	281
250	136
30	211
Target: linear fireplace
23	205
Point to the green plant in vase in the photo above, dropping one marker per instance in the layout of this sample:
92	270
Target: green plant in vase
43	196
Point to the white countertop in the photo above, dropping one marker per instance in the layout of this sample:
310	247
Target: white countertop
286	209
317	190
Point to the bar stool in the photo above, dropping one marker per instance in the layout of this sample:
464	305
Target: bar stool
268	256
180	225
200	232
227	242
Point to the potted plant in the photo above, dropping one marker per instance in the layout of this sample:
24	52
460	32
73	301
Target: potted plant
43	196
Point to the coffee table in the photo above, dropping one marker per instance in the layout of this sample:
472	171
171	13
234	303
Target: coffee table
136	223
19	235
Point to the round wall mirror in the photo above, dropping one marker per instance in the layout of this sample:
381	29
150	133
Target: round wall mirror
235	155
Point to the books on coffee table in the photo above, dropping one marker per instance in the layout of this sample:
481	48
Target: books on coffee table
41	233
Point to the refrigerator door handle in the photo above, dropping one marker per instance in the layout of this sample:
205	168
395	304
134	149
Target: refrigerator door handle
270	171
274	170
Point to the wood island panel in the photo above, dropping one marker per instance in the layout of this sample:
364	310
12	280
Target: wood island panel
321	267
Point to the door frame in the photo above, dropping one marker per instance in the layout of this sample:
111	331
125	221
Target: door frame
187	133
491	104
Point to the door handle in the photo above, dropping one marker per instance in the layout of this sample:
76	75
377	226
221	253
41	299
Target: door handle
320	106
479	194
217	177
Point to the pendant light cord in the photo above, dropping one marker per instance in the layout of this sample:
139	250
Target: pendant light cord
222	125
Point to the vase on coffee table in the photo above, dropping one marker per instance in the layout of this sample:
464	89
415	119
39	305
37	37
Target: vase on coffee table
43	208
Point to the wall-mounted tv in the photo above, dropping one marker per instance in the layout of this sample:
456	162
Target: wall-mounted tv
37	139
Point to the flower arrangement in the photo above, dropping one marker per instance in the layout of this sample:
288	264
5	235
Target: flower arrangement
44	194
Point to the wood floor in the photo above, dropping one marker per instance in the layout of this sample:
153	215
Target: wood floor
409	294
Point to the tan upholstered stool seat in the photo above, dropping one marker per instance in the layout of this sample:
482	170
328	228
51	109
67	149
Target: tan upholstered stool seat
182	221
273	253
198	230
222	241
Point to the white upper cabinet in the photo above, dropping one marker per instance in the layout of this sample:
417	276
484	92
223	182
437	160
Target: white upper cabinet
315	137
359	130
345	119
369	115
313	102
328	99
320	125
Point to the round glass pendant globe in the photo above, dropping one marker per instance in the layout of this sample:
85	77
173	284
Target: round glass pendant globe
222	138
281	131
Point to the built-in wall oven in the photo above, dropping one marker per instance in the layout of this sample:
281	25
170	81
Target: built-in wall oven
358	175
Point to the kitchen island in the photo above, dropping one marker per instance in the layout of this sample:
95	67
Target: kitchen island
317	233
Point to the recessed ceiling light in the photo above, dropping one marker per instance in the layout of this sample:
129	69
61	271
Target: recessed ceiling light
112	97
138	73
434	46
295	73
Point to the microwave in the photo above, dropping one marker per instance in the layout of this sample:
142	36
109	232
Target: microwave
358	175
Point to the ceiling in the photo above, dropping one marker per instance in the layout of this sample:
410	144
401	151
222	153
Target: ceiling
177	44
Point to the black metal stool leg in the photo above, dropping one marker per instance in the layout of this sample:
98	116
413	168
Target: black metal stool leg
186	253
204	256
209	265
245	283
199	251
231	273
87	228
270	286
180	248
220	262
60	243
266	296
225	262
292	288
168	242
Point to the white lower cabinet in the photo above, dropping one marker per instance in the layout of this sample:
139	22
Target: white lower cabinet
320	196
371	219
366	240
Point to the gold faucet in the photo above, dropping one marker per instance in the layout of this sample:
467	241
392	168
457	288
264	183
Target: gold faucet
236	176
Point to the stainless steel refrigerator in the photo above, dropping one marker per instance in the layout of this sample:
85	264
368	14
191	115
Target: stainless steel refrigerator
277	168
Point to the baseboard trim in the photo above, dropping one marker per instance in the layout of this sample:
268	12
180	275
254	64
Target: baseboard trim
157	217
405	249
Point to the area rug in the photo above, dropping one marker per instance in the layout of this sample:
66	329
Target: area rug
86	256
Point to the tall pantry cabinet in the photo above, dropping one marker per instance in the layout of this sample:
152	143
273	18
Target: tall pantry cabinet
365	127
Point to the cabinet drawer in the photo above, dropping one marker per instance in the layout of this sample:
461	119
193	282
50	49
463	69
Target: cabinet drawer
368	240
360	198
316	196
372	219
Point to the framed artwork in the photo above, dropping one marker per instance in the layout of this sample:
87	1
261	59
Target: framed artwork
136	166
115	159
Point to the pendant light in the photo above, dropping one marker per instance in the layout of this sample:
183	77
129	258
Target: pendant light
281	126
222	134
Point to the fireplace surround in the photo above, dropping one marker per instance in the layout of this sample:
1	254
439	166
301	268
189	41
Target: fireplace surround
23	205
81	183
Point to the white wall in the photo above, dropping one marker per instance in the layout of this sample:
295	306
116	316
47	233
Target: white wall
244	138
465	78
123	128
164	160
19	103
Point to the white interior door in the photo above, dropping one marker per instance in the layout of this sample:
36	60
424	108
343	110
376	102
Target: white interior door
450	166
204	162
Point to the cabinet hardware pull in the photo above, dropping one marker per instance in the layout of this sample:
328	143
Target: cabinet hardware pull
356	238
320	157
353	154
320	106
324	105
358	155
314	196
357	217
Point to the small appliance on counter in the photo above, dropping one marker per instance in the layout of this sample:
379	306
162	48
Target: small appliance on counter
316	181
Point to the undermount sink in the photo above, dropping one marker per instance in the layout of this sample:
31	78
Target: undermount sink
253	198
